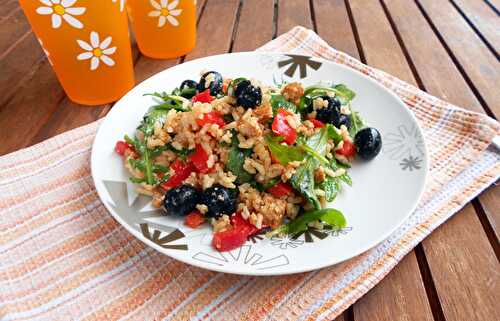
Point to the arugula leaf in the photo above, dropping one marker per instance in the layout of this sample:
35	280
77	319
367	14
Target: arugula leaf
356	124
331	187
236	159
331	216
333	134
284	153
278	101
271	183
345	93
303	181
144	163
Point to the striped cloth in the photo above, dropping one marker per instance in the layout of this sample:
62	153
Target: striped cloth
63	257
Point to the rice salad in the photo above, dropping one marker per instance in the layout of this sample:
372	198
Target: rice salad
248	158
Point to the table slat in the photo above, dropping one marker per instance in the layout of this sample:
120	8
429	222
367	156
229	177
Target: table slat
464	268
401	294
471	53
334	26
292	13
254	13
12	29
484	19
8	8
490	201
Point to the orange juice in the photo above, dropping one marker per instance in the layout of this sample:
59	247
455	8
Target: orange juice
163	28
87	43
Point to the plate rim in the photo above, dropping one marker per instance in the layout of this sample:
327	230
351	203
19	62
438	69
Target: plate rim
290	270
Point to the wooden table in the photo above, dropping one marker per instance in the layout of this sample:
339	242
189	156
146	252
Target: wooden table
448	48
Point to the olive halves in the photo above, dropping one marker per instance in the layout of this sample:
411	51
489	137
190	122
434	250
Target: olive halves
219	200
181	200
368	143
188	88
211	80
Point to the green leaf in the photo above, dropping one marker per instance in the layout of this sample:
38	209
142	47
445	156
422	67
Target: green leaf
346	178
330	216
333	134
344	92
303	181
356	124
331	187
278	101
271	183
284	153
236	159
182	153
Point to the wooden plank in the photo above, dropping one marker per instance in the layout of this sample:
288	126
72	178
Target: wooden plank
333	25
215	28
8	8
430	59
484	20
26	112
464	269
471	53
401	294
490	201
254	13
12	29
292	13
392	298
380	46
18	65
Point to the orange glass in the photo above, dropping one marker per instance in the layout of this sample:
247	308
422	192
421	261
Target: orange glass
87	42
163	28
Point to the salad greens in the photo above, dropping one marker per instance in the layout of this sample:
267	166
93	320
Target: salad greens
303	181
284	153
278	101
236	159
145	162
330	216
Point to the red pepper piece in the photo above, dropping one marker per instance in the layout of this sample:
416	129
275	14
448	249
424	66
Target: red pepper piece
237	221
281	127
212	117
279	190
230	239
203	97
194	219
200	159
348	149
182	171
317	123
121	147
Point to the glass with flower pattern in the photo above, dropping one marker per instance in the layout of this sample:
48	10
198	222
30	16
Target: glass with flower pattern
163	28
87	43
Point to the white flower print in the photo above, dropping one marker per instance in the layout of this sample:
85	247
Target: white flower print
122	4
96	51
166	12
62	9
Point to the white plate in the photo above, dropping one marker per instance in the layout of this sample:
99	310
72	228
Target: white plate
385	190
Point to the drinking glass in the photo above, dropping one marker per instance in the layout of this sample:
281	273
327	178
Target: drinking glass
163	28
87	43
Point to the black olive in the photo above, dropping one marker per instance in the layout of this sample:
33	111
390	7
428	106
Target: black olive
344	120
249	97
188	88
181	200
331	113
219	200
211	80
240	86
368	143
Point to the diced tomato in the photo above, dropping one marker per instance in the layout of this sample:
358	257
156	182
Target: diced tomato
200	160
121	147
281	127
237	221
348	149
182	171
212	117
203	97
194	219
280	189
317	123
229	239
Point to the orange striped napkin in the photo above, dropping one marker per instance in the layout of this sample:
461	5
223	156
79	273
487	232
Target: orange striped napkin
63	257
